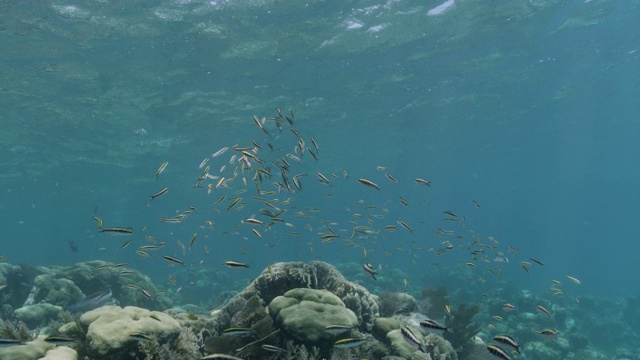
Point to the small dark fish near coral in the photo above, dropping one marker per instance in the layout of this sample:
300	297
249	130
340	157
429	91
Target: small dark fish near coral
59	340
369	269
92	301
498	353
73	246
350	342
434	327
10	342
508	341
337	329
236	331
412	339
139	336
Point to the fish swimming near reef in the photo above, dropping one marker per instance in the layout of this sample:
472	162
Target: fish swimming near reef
350	342
59	340
432	326
73	246
369	269
508	341
549	334
498	353
337	329
10	342
412	339
92	301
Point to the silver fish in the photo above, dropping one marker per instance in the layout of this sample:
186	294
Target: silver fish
337	329
91	302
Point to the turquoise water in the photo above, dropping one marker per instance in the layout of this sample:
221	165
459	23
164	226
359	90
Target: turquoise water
528	108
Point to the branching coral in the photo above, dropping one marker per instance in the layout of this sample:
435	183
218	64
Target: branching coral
16	330
433	301
439	349
460	322
185	347
252	311
300	352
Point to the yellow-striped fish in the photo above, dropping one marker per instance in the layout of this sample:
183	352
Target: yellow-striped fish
161	169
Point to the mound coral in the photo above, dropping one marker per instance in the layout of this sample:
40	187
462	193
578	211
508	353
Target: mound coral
282	277
304	313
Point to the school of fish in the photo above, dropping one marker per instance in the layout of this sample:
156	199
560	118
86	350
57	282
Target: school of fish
259	181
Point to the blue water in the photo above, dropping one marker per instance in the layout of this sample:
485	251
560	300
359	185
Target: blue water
528	108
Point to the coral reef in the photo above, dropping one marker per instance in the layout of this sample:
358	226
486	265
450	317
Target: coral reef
399	346
38	314
439	348
314	283
61	353
252	312
476	349
432	302
299	352
15	330
383	325
17	280
303	315
462	327
281	277
59	291
436	347
97	275
392	303
540	351
288	305
62	286
185	347
109	329
590	354
31	350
